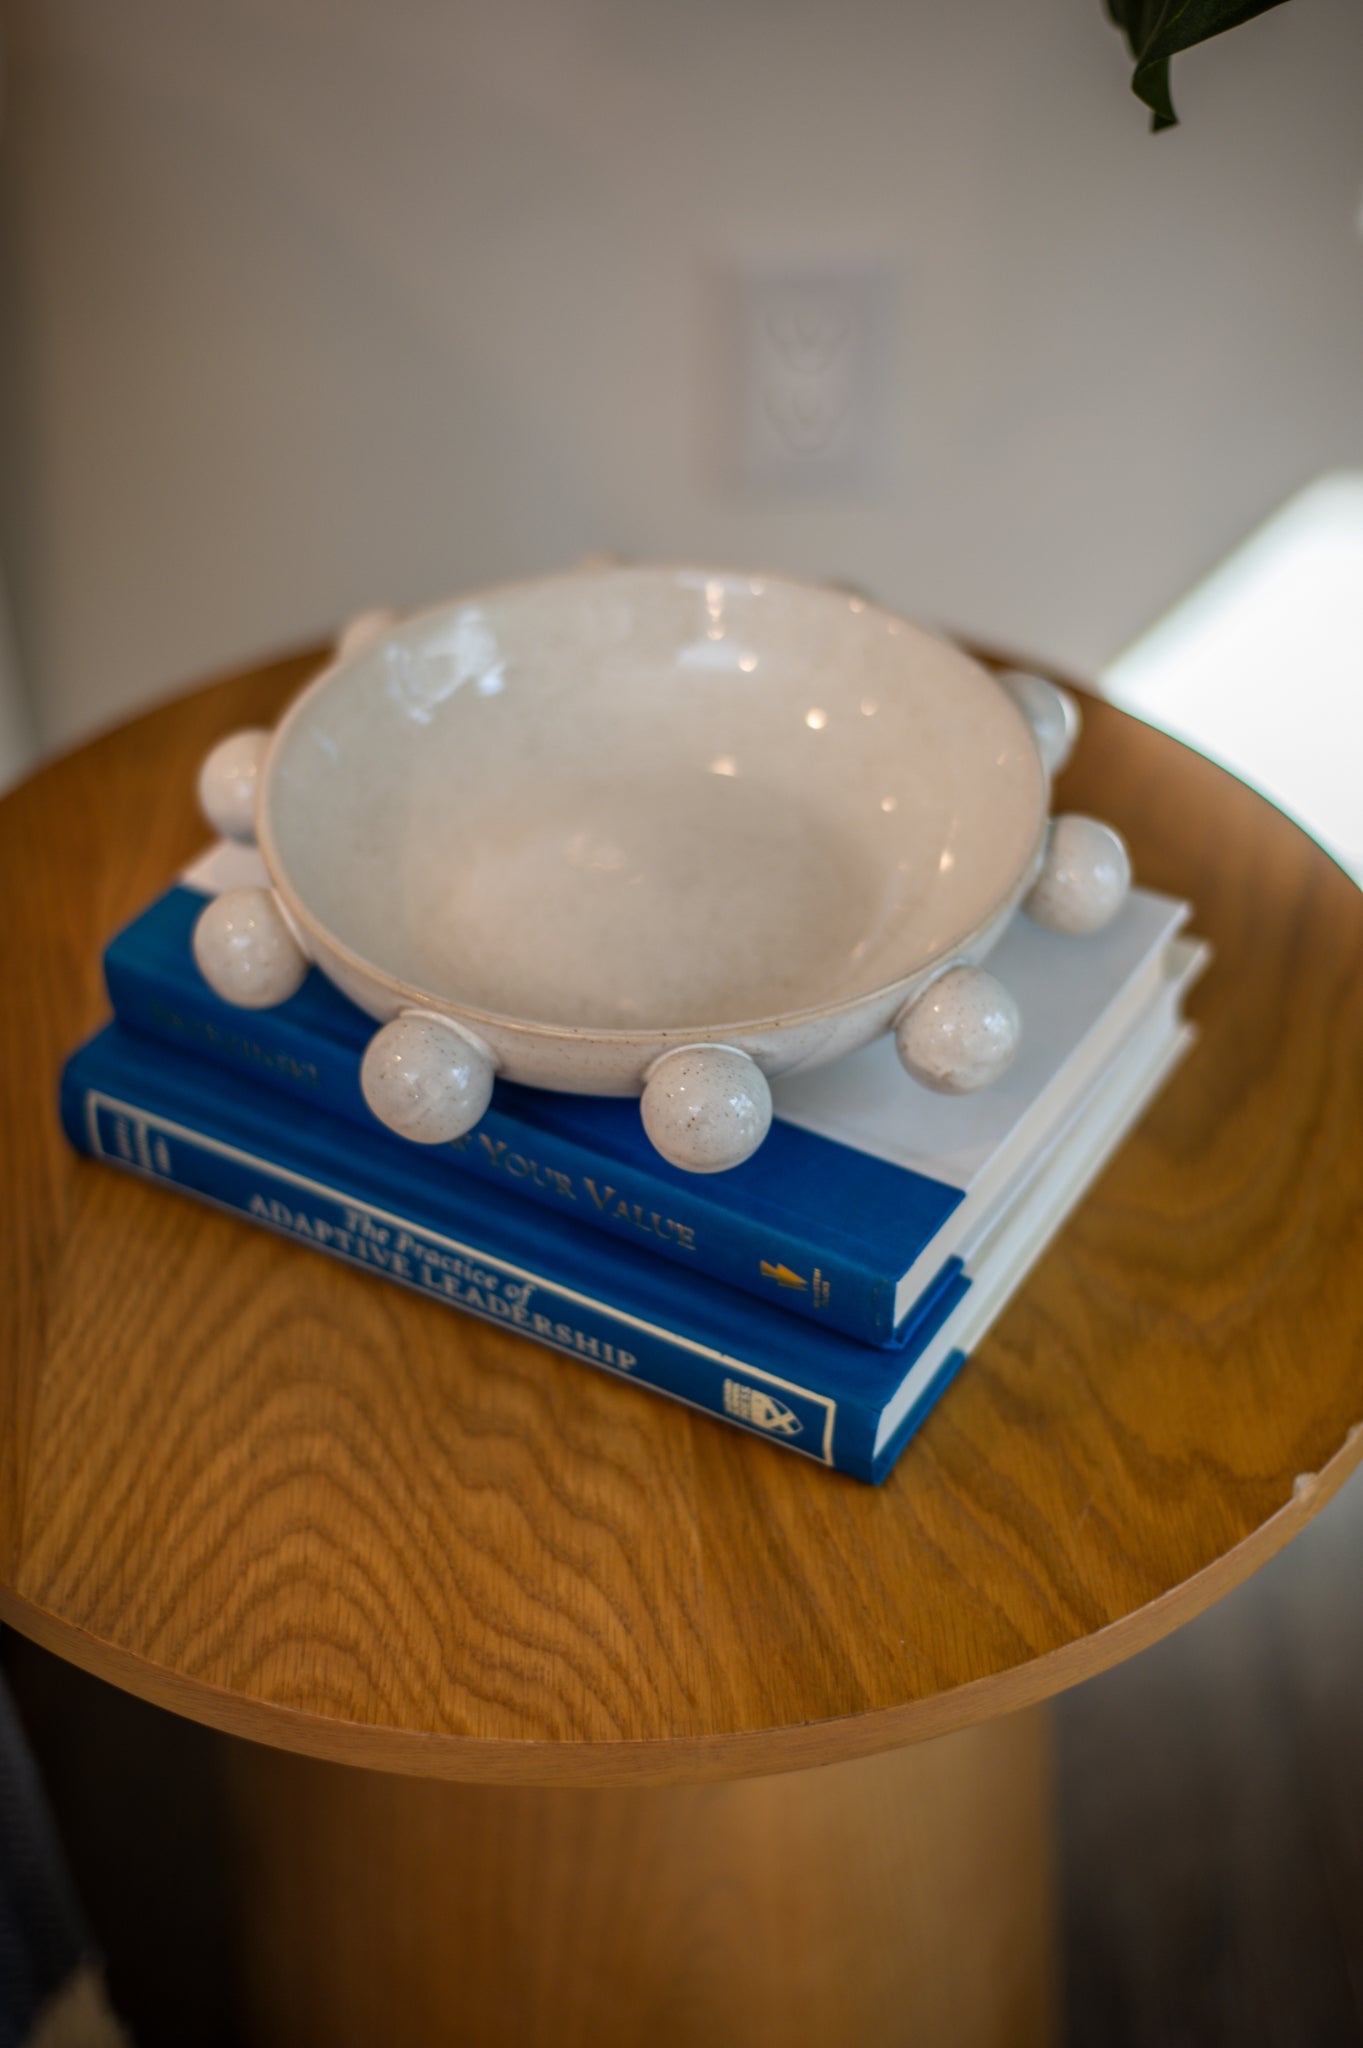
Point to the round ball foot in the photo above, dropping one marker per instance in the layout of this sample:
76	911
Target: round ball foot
960	1034
1050	711
426	1078
228	781
246	949
362	631
1084	877
706	1107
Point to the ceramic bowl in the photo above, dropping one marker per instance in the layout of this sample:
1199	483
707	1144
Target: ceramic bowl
655	831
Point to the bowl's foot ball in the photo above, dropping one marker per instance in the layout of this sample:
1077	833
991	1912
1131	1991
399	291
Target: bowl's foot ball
426	1078
247	950
960	1034
1085	877
706	1107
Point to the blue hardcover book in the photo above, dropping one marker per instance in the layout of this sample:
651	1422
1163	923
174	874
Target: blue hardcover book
374	1202
855	1211
364	1198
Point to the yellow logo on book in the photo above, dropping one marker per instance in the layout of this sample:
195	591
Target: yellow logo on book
782	1275
761	1409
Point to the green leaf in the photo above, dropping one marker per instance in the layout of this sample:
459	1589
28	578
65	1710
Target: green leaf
1157	30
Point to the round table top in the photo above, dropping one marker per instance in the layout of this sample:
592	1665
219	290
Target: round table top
273	1494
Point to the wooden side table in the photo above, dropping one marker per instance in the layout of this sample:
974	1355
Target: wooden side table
579	1718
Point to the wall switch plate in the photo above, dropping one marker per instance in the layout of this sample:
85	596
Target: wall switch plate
811	358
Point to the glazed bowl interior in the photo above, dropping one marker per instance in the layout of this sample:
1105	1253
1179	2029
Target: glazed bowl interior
644	799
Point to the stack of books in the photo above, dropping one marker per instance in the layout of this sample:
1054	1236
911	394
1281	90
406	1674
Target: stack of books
823	1295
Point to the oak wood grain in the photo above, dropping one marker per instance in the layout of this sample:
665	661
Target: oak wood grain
278	1496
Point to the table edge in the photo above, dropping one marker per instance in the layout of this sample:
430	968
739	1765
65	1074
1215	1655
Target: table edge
693	1759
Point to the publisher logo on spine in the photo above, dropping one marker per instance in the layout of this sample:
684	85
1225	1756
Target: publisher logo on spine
762	1410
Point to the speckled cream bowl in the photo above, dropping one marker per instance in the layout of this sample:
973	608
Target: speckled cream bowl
655	831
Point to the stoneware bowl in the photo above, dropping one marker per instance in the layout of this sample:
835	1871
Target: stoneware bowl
651	831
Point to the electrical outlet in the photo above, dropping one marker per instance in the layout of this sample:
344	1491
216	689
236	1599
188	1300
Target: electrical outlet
812	351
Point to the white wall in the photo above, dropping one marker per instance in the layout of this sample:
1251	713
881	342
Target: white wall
328	304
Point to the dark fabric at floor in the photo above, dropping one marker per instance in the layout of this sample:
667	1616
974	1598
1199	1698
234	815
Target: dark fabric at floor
42	1935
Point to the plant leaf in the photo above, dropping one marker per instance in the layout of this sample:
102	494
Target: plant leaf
1157	30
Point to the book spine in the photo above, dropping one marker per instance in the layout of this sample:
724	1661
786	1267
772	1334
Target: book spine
688	1226
120	1126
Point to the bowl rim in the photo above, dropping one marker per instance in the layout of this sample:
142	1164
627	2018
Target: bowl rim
409	995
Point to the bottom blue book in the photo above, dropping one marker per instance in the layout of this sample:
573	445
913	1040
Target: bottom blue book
386	1206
